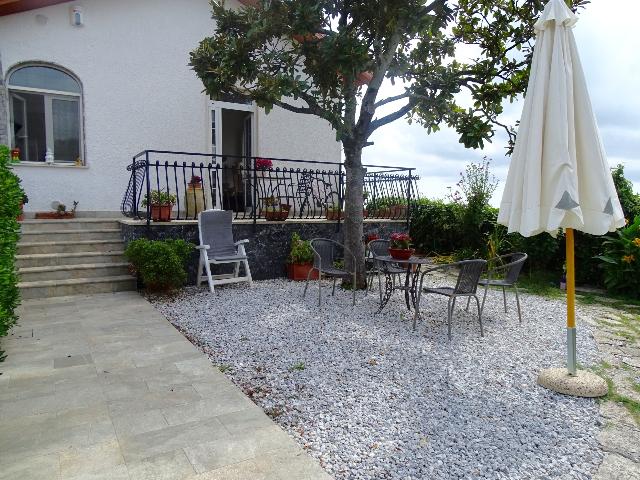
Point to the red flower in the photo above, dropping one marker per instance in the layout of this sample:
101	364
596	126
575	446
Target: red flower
263	163
400	240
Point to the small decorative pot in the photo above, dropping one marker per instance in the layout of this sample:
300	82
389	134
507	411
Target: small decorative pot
334	215
278	215
401	253
161	213
299	271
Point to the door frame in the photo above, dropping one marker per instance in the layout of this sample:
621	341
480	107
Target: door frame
215	121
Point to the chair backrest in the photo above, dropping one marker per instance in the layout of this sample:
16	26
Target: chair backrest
469	276
379	248
516	260
324	252
216	230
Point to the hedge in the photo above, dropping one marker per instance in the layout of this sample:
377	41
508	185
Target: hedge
11	195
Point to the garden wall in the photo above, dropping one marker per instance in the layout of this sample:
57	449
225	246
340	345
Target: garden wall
269	242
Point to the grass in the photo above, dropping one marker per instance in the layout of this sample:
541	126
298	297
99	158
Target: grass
632	406
298	366
544	284
224	368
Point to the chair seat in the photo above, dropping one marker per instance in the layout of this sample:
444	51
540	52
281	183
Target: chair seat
495	283
394	270
448	291
334	271
228	258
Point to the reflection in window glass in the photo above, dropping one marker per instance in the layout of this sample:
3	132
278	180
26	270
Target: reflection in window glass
46	78
66	129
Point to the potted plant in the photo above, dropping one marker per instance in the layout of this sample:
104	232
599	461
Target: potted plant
263	164
161	205
194	197
276	211
399	246
334	213
23	202
60	212
300	260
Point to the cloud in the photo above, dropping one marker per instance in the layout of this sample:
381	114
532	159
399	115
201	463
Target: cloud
608	50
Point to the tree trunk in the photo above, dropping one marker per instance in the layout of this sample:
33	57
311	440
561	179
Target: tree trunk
353	219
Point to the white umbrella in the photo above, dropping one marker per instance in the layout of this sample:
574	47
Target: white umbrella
559	176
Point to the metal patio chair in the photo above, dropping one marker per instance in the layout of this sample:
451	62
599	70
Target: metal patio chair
380	248
511	270
324	258
466	286
218	248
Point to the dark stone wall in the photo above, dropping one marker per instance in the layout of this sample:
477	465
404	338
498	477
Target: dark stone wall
269	242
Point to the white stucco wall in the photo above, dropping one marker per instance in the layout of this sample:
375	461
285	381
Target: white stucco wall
138	92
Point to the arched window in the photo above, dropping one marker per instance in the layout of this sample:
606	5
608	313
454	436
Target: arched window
46	114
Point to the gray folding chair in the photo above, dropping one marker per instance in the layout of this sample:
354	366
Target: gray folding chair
217	248
466	286
511	270
380	248
325	254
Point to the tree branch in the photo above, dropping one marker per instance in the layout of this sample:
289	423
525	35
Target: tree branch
391	99
401	112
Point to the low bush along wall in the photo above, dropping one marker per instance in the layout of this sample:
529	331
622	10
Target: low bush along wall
11	196
268	245
442	228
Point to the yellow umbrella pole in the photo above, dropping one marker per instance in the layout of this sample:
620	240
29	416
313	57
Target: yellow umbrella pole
571	303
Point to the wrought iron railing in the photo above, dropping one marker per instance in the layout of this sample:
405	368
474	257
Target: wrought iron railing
261	188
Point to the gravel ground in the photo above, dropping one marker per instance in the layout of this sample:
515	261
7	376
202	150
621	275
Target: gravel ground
372	399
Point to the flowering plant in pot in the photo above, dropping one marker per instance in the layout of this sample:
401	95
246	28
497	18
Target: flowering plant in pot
195	182
161	205
400	246
24	201
263	164
276	211
300	260
334	213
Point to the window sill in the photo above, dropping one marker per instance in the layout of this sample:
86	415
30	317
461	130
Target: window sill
48	165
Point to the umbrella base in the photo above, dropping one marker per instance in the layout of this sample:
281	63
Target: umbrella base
582	384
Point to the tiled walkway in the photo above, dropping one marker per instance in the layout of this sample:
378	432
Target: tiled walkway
103	387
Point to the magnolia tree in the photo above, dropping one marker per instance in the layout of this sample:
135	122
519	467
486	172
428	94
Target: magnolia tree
330	59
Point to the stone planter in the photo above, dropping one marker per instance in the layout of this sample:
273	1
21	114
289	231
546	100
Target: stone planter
54	215
194	200
161	213
299	271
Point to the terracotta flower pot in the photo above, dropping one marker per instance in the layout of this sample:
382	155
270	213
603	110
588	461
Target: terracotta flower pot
278	215
299	271
21	216
54	215
401	253
161	213
334	215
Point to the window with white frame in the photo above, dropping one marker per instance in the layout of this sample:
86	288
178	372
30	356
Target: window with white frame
45	106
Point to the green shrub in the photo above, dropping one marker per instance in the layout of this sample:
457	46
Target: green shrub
301	251
629	200
11	195
159	197
160	263
621	260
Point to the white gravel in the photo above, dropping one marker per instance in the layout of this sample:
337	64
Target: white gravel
372	399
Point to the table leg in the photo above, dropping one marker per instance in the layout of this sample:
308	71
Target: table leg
406	288
414	285
388	290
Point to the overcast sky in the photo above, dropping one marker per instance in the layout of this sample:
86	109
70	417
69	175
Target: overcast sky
609	45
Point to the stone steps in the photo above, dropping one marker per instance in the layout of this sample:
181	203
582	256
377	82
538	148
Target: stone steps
68	272
71	257
25	248
76	286
55	259
71	235
28	226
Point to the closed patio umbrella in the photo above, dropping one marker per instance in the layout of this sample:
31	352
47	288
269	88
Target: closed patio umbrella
559	176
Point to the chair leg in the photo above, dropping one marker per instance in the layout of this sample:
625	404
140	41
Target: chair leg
236	269
306	284
333	290
468	301
518	303
449	315
416	313
380	286
319	288
479	314
504	297
199	280
484	297
207	268
248	272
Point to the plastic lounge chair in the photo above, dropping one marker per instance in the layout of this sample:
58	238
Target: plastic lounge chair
511	273
217	247
466	286
380	248
324	257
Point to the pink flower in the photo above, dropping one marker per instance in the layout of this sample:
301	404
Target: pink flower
263	163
